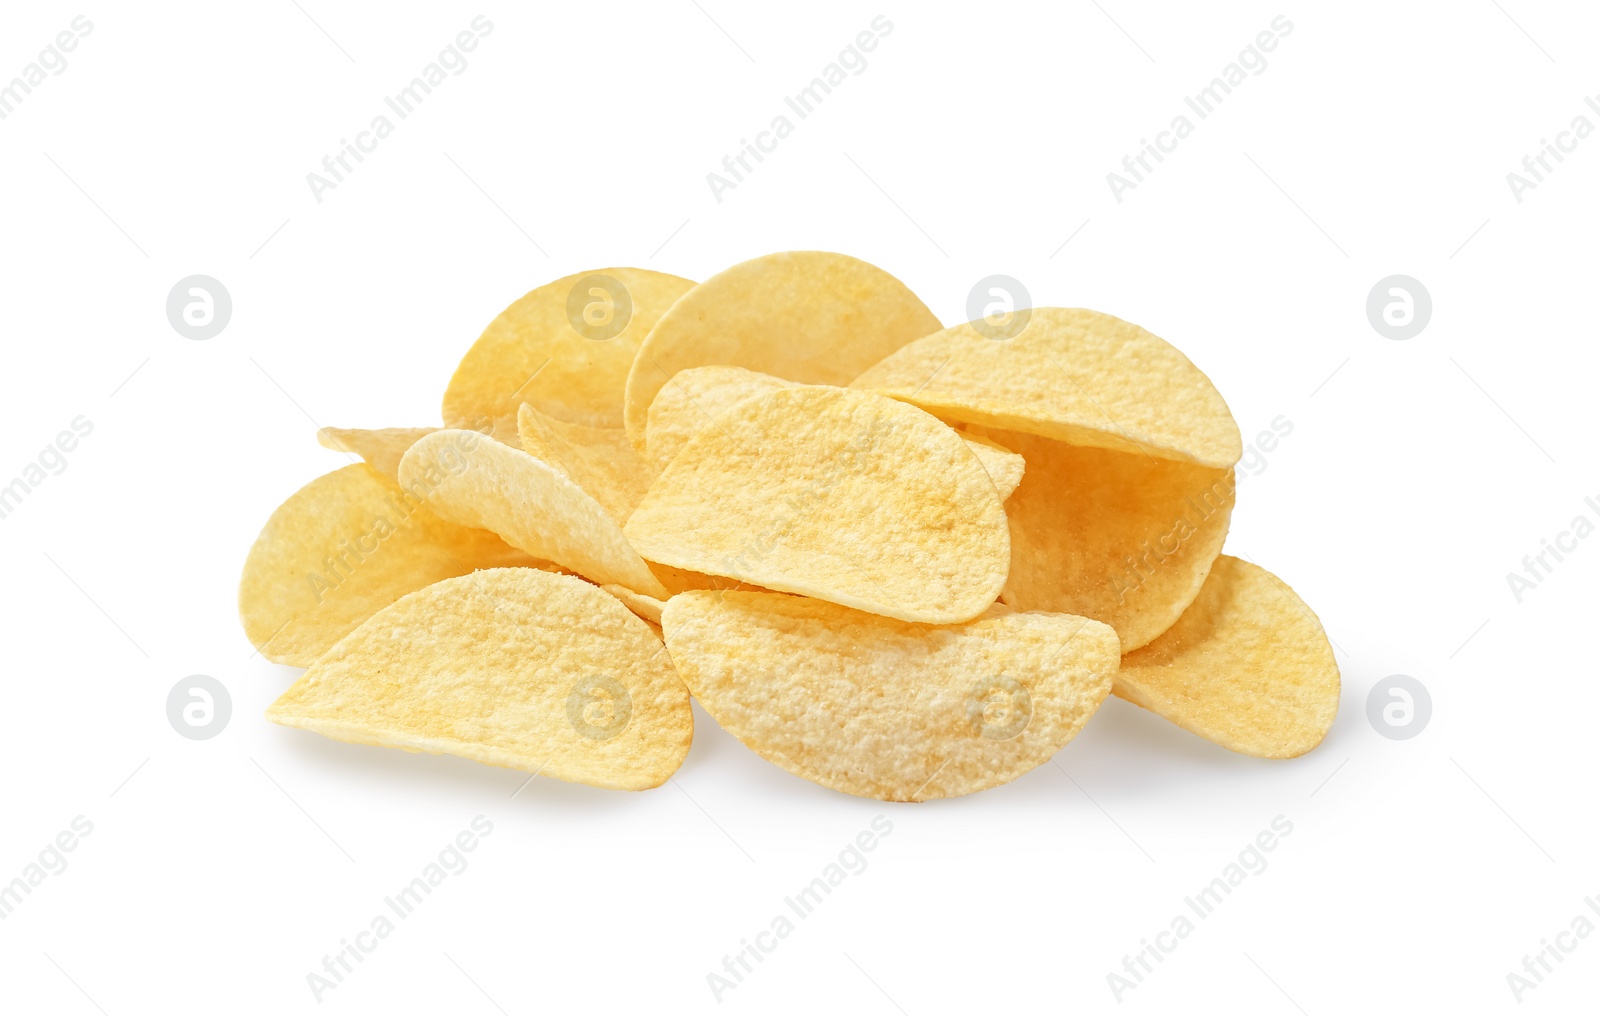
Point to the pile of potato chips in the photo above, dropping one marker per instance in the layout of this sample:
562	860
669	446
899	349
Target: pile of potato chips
899	560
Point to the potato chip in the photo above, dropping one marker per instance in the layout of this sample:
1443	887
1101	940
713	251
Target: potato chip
473	481
1247	666
1119	537
341	548
601	460
565	348
1074	375
1004	466
646	607
694	398
380	448
841	495
509	667
880	708
805	316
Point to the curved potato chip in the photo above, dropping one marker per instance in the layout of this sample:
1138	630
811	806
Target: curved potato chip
1121	538
1004	466
341	548
381	448
1247	666
646	607
509	667
841	495
469	479
1074	375
806	316
565	347
601	460
880	708
694	398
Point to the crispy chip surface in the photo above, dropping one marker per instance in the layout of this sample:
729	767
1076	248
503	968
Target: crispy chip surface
806	316
565	348
1004	466
601	460
475	481
1247	666
340	549
841	495
694	398
1116	536
509	667
382	448
880	708
1075	375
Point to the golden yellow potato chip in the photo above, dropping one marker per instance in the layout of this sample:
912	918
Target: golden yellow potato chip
805	316
841	495
509	667
341	548
601	460
1116	536
381	448
1004	466
1074	375
565	348
647	607
469	479
694	398
1247	666
881	708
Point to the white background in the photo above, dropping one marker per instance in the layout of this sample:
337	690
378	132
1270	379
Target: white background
219	873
